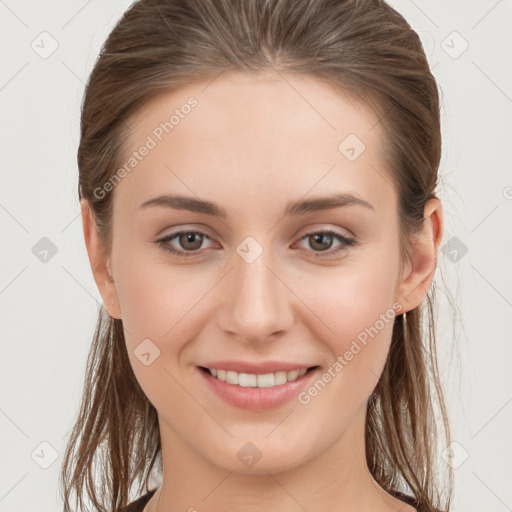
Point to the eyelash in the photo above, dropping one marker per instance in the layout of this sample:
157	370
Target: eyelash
345	242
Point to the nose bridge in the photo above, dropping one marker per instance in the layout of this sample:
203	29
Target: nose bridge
256	298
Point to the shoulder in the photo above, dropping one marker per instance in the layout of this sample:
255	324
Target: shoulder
139	504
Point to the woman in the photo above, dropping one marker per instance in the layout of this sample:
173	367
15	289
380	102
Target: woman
258	188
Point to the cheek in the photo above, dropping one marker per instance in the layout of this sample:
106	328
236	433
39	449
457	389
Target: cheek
355	306
350	298
162	303
157	300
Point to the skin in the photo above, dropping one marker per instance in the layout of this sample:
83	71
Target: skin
252	145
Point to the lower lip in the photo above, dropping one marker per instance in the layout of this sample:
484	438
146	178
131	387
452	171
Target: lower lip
257	399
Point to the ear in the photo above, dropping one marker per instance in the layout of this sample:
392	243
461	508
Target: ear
419	272
99	264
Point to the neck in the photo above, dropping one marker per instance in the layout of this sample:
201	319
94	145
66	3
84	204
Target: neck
336	479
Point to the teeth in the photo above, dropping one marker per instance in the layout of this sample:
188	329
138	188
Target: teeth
251	380
292	375
266	380
232	378
246	380
280	378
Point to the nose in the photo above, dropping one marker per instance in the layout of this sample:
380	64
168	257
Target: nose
257	304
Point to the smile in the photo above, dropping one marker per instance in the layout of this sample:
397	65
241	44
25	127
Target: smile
256	386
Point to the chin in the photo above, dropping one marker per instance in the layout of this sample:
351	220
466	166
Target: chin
259	457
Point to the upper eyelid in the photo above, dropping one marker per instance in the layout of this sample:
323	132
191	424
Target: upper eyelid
311	231
321	228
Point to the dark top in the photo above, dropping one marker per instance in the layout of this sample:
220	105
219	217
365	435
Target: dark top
139	504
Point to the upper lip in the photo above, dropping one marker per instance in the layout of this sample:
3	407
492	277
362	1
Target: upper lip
256	368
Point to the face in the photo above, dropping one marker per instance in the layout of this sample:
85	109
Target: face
282	255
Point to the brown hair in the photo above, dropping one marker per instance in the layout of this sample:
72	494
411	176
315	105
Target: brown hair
360	47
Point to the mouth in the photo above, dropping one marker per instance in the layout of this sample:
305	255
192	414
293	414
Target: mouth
253	380
257	386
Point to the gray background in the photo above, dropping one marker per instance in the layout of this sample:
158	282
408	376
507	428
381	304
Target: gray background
49	307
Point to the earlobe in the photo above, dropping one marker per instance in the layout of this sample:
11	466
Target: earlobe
415	285
100	265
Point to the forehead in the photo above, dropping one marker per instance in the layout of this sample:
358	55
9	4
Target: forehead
264	135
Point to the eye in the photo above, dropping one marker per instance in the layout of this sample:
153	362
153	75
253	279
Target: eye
321	242
190	241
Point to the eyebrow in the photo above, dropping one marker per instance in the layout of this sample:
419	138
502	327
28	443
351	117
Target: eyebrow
300	207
